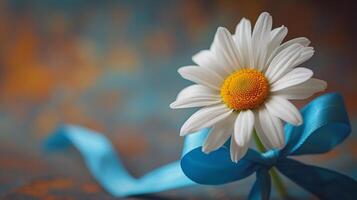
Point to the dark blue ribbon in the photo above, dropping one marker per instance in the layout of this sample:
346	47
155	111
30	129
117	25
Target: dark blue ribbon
325	125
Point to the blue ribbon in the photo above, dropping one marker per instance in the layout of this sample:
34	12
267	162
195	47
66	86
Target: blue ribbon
325	125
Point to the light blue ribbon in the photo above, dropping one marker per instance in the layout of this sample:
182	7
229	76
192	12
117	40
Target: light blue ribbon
325	125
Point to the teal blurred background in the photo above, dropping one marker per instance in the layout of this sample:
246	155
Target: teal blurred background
112	66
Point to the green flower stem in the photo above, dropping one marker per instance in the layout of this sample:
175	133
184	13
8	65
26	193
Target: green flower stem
277	182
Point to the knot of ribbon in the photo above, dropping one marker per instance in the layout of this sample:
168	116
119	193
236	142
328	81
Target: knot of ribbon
325	125
270	158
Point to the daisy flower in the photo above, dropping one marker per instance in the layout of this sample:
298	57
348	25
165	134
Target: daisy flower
244	82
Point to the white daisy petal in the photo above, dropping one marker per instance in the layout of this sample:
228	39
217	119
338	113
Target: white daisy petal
196	96
306	54
260	38
282	108
205	117
219	134
277	36
193	102
294	77
301	40
224	48
269	129
195	91
283	62
237	152
261	134
242	38
202	76
206	58
243	127
303	90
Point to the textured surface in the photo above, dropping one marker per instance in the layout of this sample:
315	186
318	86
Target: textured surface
111	66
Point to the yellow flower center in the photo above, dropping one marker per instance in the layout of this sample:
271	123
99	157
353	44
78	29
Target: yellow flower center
245	89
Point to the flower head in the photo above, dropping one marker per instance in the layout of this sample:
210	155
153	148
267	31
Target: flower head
244	82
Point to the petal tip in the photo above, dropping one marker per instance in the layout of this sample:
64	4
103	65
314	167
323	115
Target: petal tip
299	122
173	105
183	131
205	150
221	28
265	13
324	85
234	159
180	70
221	31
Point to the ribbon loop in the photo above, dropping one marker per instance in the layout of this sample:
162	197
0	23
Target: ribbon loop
216	167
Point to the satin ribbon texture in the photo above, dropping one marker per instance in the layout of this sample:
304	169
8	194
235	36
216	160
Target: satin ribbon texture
325	125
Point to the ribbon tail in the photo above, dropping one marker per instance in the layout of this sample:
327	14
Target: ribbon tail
324	183
106	167
262	186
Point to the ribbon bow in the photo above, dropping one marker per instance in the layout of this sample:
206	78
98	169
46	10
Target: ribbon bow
325	125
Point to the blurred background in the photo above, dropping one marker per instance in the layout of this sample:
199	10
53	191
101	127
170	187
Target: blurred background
112	66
